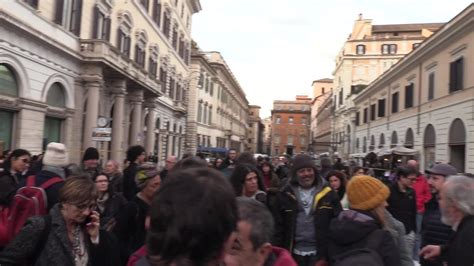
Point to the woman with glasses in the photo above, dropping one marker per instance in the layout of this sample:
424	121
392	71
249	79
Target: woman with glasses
69	235
15	169
109	202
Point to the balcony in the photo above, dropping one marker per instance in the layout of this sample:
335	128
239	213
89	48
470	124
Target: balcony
103	51
179	109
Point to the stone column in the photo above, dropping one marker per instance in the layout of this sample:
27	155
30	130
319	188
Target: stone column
150	127
119	92
136	101
93	85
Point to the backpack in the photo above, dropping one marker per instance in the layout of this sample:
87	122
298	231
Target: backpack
28	201
362	256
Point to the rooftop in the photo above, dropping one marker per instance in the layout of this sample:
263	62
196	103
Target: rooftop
406	27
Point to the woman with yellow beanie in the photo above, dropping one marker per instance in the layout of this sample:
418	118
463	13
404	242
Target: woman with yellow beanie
357	235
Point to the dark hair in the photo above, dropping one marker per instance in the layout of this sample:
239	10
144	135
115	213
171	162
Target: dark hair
342	178
268	164
215	163
405	171
7	164
192	216
239	174
133	153
357	168
246	158
259	217
190	162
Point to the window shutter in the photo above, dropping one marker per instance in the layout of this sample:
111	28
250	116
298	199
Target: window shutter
106	32
58	17
95	30
459	76
452	76
127	46
78	14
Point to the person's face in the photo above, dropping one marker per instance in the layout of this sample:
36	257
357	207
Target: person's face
305	177
408	181
334	182
102	183
169	163
242	252
78	212
359	172
141	158
152	186
218	162
90	164
250	184
232	155
21	163
435	182
110	168
266	168
446	208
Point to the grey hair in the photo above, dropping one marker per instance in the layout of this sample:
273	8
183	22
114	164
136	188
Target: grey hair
460	191
259	217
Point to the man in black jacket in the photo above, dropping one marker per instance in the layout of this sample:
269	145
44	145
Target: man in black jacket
302	211
135	156
433	231
457	210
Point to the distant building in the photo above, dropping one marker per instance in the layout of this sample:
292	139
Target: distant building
426	101
322	89
217	108
267	135
290	125
369	51
255	131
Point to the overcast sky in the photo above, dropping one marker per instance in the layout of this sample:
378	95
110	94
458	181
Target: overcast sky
276	48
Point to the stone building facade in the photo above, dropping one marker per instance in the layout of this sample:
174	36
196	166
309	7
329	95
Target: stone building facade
291	126
218	108
369	51
426	101
322	89
255	132
70	67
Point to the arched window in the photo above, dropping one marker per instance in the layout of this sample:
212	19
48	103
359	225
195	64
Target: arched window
372	143
140	49
382	141
123	35
360	49
429	145
409	139
394	139
457	144
56	96
364	145
157	123
8	84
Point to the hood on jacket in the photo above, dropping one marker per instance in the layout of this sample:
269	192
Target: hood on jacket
351	226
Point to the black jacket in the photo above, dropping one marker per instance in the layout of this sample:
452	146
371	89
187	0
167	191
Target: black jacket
8	187
433	231
351	230
402	205
114	204
57	248
129	185
284	207
460	249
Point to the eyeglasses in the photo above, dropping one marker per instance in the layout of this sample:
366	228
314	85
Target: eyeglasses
84	207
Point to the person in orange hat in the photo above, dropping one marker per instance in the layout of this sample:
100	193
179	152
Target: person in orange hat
361	228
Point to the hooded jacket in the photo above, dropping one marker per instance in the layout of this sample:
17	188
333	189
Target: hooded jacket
350	231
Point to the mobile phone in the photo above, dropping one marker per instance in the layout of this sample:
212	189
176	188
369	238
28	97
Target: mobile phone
88	220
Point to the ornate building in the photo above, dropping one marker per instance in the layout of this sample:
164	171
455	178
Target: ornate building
105	73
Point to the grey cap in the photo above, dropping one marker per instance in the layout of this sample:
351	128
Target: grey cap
442	169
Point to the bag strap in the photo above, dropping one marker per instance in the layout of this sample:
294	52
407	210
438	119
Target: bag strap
31	181
51	182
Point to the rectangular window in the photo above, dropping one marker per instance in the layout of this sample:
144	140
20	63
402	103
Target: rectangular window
101	25
366	114
357	120
172	88
360	49
409	95
139	55
393	48
372	112
166	25
431	86
290	120
175	38
278	120
395	102
33	3
163	79
303	120
381	104
290	140
210	115
152	67
341	93
68	14
389	48
199	113
156	15
123	42
144	3
456	69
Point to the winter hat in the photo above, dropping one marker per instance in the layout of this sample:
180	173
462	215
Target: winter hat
302	161
146	171
365	192
56	155
442	169
91	153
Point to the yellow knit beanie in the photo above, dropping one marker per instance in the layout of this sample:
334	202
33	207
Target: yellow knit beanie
365	192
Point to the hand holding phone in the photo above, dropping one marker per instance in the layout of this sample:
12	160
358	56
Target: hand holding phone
92	224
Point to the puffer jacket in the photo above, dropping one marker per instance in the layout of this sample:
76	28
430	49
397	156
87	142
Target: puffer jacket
350	231
284	207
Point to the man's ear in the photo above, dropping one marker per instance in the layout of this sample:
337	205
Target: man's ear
228	243
264	251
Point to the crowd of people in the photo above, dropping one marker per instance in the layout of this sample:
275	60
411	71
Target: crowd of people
236	211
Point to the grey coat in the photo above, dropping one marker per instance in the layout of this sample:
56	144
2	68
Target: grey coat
57	249
397	230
